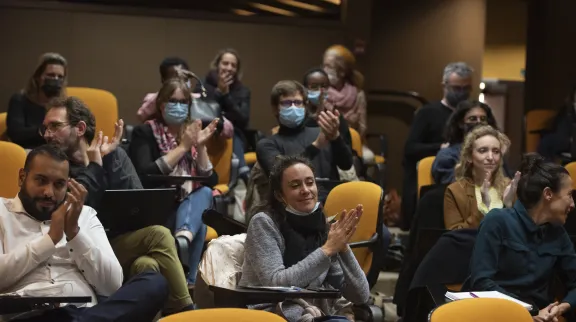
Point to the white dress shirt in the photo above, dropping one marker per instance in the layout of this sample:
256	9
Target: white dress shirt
30	263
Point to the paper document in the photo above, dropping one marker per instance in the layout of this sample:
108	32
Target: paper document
455	296
275	288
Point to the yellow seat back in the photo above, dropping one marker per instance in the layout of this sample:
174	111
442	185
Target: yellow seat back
224	315
536	120
102	104
220	153
425	173
275	129
571	167
12	158
3	126
356	142
347	196
480	310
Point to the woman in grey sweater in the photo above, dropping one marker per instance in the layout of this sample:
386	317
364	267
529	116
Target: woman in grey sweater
290	244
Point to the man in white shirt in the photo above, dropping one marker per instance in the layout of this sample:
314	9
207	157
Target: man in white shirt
53	245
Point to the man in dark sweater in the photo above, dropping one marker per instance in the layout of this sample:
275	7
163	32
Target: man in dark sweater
426	133
100	165
322	145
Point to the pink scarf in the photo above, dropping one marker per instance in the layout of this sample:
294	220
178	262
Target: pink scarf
344	99
166	143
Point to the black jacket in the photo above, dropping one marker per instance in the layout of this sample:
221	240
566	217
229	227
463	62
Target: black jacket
299	141
144	152
235	105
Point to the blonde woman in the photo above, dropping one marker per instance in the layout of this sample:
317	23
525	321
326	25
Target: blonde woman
480	182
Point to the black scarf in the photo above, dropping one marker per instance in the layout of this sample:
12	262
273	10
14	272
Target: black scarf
302	235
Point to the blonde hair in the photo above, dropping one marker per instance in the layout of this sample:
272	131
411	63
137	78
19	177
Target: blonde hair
463	169
32	88
346	61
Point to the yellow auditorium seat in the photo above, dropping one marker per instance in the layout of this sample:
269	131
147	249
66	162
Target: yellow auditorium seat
480	310
347	196
425	173
102	104
12	158
224	315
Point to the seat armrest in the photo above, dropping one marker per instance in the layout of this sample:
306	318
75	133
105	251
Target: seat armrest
234	173
242	297
365	243
224	225
383	142
368	313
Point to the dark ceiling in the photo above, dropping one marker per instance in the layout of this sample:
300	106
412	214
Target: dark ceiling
315	9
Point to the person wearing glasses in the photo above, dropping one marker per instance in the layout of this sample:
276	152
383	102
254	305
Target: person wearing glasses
27	109
467	115
322	145
425	137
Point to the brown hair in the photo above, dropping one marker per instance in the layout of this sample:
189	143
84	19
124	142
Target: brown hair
167	90
463	169
76	112
285	88
33	86
346	62
218	58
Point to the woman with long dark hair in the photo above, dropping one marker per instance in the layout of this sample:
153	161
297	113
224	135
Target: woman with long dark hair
290	243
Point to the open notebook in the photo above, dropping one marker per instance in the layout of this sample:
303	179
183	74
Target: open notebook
454	296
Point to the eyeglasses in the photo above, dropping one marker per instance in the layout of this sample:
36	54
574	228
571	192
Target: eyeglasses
176	101
51	127
288	103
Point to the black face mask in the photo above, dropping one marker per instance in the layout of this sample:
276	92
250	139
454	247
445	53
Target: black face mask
29	204
52	87
455	97
467	127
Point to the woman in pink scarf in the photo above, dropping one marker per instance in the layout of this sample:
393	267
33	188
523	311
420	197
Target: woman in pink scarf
345	91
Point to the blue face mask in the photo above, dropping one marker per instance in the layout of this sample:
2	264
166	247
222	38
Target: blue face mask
292	116
175	113
314	97
301	213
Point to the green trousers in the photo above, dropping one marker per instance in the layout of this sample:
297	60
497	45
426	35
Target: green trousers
154	248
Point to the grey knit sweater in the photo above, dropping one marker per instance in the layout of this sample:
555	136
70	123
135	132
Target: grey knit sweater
264	266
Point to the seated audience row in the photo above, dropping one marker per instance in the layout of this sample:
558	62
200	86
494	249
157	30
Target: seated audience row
98	167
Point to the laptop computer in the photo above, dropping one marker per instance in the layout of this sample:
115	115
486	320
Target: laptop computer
129	210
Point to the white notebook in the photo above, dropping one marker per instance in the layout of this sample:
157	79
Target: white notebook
455	296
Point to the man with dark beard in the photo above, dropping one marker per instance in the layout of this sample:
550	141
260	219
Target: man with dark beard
99	165
51	244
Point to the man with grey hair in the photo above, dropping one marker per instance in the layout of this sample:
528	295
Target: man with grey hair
426	133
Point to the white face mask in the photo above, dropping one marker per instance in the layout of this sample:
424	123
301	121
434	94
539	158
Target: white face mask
291	210
332	76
